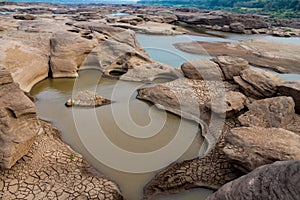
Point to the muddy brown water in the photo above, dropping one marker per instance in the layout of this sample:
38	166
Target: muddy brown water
145	129
130	140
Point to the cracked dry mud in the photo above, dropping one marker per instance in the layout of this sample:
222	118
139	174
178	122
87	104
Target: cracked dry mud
210	171
53	170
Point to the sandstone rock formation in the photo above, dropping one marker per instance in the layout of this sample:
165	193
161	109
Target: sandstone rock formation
87	99
273	112
68	50
234	102
275	181
251	147
203	69
19	122
231	66
52	170
279	56
291	89
258	83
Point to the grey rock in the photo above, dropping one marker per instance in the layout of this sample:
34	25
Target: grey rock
275	181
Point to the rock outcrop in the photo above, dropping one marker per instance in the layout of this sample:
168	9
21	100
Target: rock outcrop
231	66
234	103
279	56
68	51
273	112
275	181
87	99
258	83
251	147
291	89
203	69
19	122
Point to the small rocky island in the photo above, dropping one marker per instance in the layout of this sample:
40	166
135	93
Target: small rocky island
249	116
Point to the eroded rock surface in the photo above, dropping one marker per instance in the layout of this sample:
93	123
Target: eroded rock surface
231	66
282	57
258	83
52	170
291	89
275	181
19	124
87	99
234	102
273	112
203	69
68	50
251	147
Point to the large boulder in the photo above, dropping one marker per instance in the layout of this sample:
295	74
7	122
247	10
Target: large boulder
68	51
234	102
251	147
273	112
258	83
231	66
19	122
276	181
203	69
291	89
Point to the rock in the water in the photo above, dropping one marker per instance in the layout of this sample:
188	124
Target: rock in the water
251	147
279	56
68	50
234	102
276	181
273	112
258	83
231	66
237	27
291	89
87	99
203	69
19	123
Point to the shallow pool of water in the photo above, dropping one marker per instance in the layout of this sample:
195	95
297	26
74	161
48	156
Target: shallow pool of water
161	47
128	140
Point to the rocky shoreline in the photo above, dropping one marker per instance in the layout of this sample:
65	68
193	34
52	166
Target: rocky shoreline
249	117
